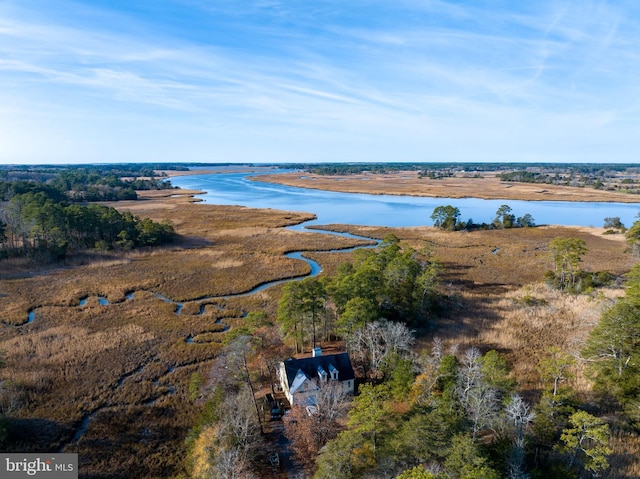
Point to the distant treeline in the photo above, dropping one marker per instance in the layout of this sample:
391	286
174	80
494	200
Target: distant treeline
611	177
602	178
82	183
119	169
40	216
426	167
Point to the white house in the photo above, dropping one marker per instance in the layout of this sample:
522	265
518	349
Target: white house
300	379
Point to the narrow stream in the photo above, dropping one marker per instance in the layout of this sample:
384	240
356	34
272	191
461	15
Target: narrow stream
315	269
83	424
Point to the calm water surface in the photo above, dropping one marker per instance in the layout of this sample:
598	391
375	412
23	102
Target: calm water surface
388	210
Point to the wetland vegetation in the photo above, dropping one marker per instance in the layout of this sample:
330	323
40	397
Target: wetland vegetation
554	182
610	177
138	387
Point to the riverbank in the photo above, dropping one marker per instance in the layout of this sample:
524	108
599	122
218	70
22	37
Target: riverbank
484	186
216	170
112	380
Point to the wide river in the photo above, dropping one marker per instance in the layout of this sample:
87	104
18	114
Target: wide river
388	210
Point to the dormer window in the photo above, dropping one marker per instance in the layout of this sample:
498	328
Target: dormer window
322	374
334	372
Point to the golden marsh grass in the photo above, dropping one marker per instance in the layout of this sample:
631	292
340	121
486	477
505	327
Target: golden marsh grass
126	365
123	368
462	185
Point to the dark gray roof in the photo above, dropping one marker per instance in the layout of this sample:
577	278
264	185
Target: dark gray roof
310	366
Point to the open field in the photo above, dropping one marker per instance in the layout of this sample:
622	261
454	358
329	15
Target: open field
110	381
485	185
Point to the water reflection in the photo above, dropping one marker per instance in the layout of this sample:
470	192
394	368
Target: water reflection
388	210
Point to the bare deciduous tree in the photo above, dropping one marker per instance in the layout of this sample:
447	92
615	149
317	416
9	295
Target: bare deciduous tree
231	465
427	379
238	421
480	401
519	416
332	401
372	344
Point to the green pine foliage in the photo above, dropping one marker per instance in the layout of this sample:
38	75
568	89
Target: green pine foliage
613	346
566	254
633	238
467	461
435	432
44	212
417	472
392	282
38	225
585	441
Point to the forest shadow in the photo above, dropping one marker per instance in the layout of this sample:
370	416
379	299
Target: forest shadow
30	435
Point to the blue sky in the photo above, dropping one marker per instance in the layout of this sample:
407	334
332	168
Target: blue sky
319	80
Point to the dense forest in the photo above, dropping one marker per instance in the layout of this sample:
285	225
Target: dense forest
83	183
45	211
389	282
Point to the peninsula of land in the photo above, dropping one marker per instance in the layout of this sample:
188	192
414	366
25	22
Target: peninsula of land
112	351
484	186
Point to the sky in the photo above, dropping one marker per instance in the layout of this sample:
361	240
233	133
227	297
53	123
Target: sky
319	80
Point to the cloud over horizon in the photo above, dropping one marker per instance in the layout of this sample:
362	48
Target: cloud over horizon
278	81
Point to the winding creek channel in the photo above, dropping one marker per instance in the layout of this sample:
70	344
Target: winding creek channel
168	390
315	269
344	208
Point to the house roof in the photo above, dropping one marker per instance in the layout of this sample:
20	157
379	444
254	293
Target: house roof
310	367
298	381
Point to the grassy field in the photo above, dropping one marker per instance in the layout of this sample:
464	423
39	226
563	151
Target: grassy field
110	381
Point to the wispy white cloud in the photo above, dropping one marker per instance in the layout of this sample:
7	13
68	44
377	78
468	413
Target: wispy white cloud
422	79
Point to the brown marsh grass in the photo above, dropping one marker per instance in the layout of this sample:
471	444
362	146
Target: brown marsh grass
486	186
124	368
489	275
625	460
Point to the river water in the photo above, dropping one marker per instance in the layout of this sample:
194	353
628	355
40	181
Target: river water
389	210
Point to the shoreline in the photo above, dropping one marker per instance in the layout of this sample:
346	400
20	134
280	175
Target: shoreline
215	170
487	187
156	200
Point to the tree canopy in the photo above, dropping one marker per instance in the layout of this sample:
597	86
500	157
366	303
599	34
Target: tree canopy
445	217
391	282
567	254
613	346
40	226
